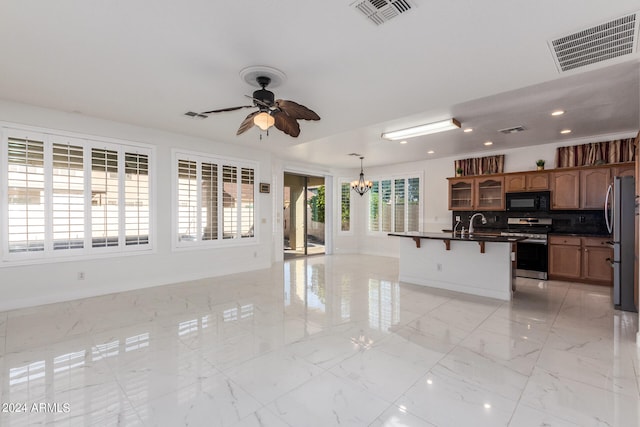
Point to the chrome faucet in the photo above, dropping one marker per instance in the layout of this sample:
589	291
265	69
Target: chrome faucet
484	221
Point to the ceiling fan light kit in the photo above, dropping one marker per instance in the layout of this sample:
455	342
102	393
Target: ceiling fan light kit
282	114
424	129
264	120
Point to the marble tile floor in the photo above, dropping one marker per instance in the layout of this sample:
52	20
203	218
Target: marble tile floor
322	341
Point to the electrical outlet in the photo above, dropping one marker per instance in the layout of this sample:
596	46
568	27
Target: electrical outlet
457	217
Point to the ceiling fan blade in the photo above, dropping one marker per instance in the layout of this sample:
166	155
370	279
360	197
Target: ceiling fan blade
295	110
247	123
228	109
286	124
260	102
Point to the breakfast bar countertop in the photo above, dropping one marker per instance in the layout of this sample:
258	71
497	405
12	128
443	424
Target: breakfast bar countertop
475	237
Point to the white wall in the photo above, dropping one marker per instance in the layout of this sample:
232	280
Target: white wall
33	284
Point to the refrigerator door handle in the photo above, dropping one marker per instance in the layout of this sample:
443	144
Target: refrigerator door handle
608	220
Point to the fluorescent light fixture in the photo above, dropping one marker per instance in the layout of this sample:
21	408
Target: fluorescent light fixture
420	130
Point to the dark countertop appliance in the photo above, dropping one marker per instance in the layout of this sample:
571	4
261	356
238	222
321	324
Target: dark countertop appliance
530	201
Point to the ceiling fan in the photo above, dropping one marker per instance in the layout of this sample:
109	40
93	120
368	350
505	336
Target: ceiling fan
282	114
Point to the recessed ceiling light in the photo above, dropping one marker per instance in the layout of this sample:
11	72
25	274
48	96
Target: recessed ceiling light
403	142
430	152
467	130
565	131
557	113
488	143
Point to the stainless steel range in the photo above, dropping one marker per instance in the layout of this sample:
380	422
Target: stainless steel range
532	254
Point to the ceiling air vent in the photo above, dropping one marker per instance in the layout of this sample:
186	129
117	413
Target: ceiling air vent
381	11
596	44
514	129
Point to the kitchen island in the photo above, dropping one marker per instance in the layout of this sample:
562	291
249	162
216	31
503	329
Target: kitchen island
478	264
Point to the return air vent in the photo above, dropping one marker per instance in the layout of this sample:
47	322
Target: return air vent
381	11
515	129
596	44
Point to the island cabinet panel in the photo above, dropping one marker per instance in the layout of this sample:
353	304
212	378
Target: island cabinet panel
593	187
584	259
565	189
565	258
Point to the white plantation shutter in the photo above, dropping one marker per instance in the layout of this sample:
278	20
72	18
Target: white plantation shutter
215	200
399	204
105	212
68	204
394	205
187	200
136	199
230	201
68	196
26	204
209	208
246	207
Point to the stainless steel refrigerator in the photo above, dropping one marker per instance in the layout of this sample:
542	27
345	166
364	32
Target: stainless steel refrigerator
619	216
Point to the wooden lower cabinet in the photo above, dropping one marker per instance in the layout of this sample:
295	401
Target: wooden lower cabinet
581	259
565	257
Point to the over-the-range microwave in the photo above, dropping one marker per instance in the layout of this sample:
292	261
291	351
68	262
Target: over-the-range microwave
530	201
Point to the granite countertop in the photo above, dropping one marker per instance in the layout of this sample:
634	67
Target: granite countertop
475	237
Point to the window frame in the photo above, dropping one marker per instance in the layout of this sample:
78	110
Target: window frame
392	179
222	161
49	138
338	216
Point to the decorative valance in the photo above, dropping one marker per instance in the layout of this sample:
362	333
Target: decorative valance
480	165
596	153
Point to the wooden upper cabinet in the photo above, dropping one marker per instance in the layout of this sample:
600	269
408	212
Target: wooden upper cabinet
489	193
461	194
481	193
624	170
565	189
528	181
538	181
515	182
593	187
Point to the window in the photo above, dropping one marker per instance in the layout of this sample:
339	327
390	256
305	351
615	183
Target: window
394	205
345	206
69	196
215	200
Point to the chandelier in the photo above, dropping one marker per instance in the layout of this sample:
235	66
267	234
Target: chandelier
361	186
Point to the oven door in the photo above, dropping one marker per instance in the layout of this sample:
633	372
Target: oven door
532	259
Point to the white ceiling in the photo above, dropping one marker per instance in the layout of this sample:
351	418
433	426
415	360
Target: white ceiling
486	63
